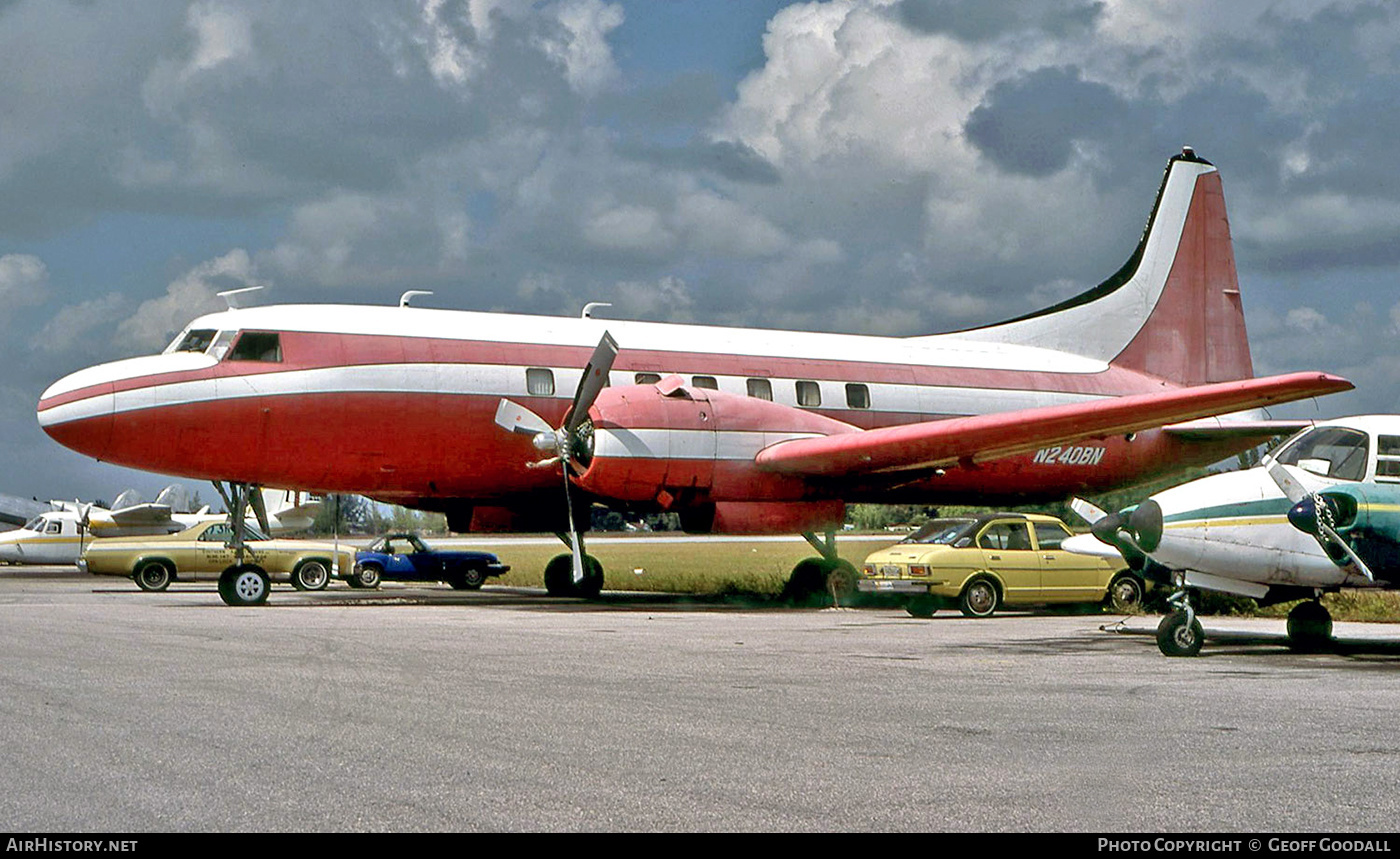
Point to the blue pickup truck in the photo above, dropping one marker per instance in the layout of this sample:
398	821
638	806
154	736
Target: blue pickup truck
405	557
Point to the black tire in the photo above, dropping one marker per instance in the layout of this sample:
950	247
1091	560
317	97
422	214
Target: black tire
922	606
468	579
244	586
1177	638
841	581
807	584
367	576
979	598
1125	593
153	576
559	577
1309	627
312	575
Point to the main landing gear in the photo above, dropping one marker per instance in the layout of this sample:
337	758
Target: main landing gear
1180	634
826	579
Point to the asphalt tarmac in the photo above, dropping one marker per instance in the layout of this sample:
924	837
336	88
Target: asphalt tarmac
424	709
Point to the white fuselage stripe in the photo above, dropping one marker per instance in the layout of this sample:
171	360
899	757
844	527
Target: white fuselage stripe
497	380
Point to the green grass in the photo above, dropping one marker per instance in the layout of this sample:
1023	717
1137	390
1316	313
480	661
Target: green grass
759	570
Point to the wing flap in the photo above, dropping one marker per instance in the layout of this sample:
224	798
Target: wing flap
933	444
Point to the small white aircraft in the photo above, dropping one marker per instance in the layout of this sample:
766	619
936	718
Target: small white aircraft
1320	513
60	535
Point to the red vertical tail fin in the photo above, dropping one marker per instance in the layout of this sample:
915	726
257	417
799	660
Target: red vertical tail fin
1173	310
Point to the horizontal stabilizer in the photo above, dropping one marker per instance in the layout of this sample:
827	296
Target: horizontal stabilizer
933	444
140	514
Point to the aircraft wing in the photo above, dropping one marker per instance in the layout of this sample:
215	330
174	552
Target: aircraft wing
934	444
142	514
16	511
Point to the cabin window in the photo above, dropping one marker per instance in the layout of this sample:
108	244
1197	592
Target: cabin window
646	378
257	346
1336	452
53	527
539	381
809	394
194	341
857	396
709	383
1388	460
761	389
1011	536
1049	535
219	532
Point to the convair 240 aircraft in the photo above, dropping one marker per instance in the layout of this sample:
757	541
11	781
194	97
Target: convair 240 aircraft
736	430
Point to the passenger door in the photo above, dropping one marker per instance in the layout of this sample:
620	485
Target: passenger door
1006	551
1066	576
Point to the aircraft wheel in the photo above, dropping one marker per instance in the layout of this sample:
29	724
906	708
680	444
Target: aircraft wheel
311	576
153	576
367	576
808	583
841	583
1125	593
242	586
559	577
1175	637
922	606
979	598
1309	626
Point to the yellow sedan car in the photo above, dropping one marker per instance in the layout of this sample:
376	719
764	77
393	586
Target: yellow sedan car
203	552
982	563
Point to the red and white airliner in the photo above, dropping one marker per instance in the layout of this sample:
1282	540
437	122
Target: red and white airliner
737	430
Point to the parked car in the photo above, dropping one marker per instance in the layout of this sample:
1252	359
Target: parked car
203	552
405	557
984	562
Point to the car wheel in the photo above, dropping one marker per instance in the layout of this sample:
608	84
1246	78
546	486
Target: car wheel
311	576
1176	637
153	576
244	586
469	579
1125	593
922	606
979	598
367	576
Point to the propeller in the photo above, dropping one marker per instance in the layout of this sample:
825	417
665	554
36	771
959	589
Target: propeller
572	440
1313	513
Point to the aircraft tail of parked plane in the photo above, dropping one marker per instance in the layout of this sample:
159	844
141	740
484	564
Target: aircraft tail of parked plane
735	430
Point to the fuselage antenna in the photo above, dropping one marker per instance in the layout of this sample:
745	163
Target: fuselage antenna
409	295
235	298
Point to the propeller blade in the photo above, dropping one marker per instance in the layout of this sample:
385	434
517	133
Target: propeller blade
1357	565
516	418
594	380
1086	511
1287	483
573	530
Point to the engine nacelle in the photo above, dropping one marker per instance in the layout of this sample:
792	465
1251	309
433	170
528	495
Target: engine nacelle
670	445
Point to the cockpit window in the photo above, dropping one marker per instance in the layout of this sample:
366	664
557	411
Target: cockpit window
1335	452
257	346
196	340
36	524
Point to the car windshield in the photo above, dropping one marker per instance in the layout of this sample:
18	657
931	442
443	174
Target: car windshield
943	532
1335	452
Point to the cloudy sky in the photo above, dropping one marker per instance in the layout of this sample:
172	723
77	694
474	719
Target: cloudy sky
875	166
